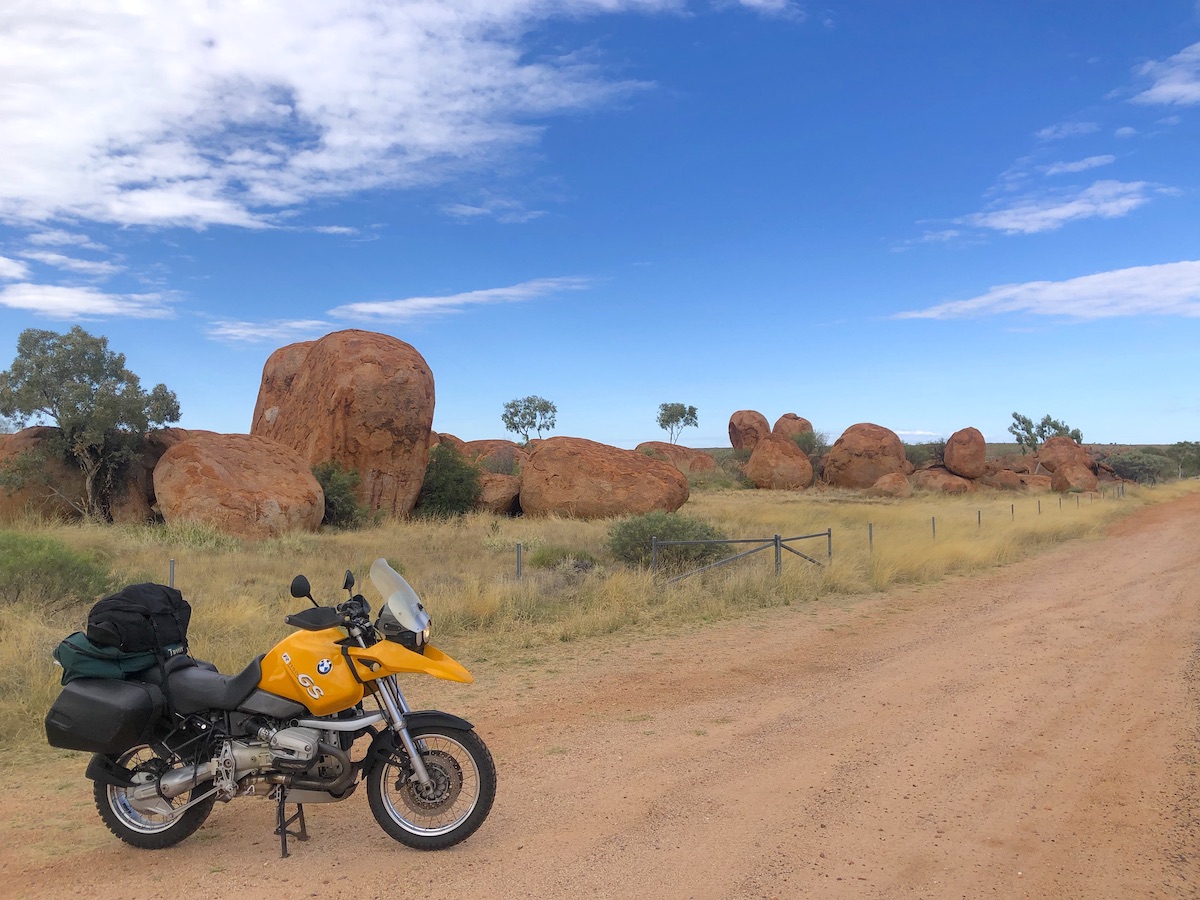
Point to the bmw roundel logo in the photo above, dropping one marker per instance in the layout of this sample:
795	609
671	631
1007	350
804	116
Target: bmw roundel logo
324	666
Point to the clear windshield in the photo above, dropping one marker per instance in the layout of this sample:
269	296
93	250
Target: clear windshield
401	600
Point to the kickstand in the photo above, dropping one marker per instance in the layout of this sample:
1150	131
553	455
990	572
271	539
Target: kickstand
281	829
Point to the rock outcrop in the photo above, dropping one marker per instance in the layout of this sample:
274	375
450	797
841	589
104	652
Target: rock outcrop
1059	451
500	456
1002	480
1073	476
790	424
862	455
776	463
893	485
747	428
966	453
576	477
44	485
938	478
244	485
499	493
361	399
685	459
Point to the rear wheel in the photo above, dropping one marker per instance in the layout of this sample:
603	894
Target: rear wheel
451	807
155	822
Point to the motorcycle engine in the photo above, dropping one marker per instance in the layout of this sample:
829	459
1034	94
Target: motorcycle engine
294	749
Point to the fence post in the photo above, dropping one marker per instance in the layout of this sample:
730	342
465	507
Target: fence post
1014	512
829	543
171	575
979	518
933	521
1060	502
1039	507
654	555
778	555
519	548
870	537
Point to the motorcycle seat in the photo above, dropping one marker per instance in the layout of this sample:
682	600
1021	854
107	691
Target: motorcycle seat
195	688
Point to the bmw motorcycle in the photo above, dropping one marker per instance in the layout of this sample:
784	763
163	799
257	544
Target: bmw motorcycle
175	739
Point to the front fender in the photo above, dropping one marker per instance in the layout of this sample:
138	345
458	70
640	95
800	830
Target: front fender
390	658
385	743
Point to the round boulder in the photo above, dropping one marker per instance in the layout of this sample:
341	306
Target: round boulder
498	493
685	459
966	453
747	428
862	455
790	424
776	463
893	485
243	484
1073	476
576	477
1059	451
357	398
941	479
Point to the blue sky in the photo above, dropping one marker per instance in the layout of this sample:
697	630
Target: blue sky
924	215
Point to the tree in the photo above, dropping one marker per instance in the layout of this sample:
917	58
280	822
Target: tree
1186	455
1030	436
74	380
532	413
674	417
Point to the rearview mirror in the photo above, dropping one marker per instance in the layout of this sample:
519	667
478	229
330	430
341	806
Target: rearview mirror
301	588
349	582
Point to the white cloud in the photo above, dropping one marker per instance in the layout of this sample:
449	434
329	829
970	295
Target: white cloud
507	212
222	112
56	237
72	264
423	307
1066	130
55	302
1080	165
279	331
1176	81
13	269
1170	289
1104	199
1125	131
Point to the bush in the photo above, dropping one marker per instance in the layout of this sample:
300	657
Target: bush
1143	466
43	569
929	451
452	485
630	540
502	462
551	557
341	495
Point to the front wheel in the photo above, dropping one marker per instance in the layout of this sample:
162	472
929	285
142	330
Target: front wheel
451	807
156	823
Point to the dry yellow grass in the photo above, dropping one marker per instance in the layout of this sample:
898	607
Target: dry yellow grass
465	571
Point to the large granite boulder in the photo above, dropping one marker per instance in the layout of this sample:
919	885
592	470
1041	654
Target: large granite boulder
685	459
580	478
776	463
862	455
1002	480
1073	476
1036	484
938	478
747	428
893	485
358	398
966	453
1059	451
498	493
245	485
36	480
790	424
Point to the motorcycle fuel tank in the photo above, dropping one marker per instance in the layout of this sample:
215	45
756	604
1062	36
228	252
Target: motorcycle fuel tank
308	667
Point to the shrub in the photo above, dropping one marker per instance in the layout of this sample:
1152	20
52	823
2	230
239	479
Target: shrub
630	540
929	451
451	485
502	462
551	557
44	569
341	495
1143	466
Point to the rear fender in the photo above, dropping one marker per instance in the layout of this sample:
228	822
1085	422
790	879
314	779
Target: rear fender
103	770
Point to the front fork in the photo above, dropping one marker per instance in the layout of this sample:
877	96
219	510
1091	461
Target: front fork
397	708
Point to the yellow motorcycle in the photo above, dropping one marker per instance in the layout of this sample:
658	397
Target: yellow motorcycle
177	737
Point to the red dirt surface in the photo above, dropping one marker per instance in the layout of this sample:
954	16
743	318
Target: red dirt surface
1031	732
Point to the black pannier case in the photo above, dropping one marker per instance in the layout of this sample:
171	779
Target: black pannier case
100	715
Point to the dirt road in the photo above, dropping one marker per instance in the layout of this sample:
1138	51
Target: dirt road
1032	732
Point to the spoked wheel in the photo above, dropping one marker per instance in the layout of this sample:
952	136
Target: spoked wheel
452	807
152	823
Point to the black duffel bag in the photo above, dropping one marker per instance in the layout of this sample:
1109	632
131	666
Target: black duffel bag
141	617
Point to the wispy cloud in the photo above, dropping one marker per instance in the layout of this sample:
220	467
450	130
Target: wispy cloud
56	302
505	211
13	269
280	331
94	268
1103	199
1176	81
57	237
1066	130
412	308
1170	289
170	114
1079	165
